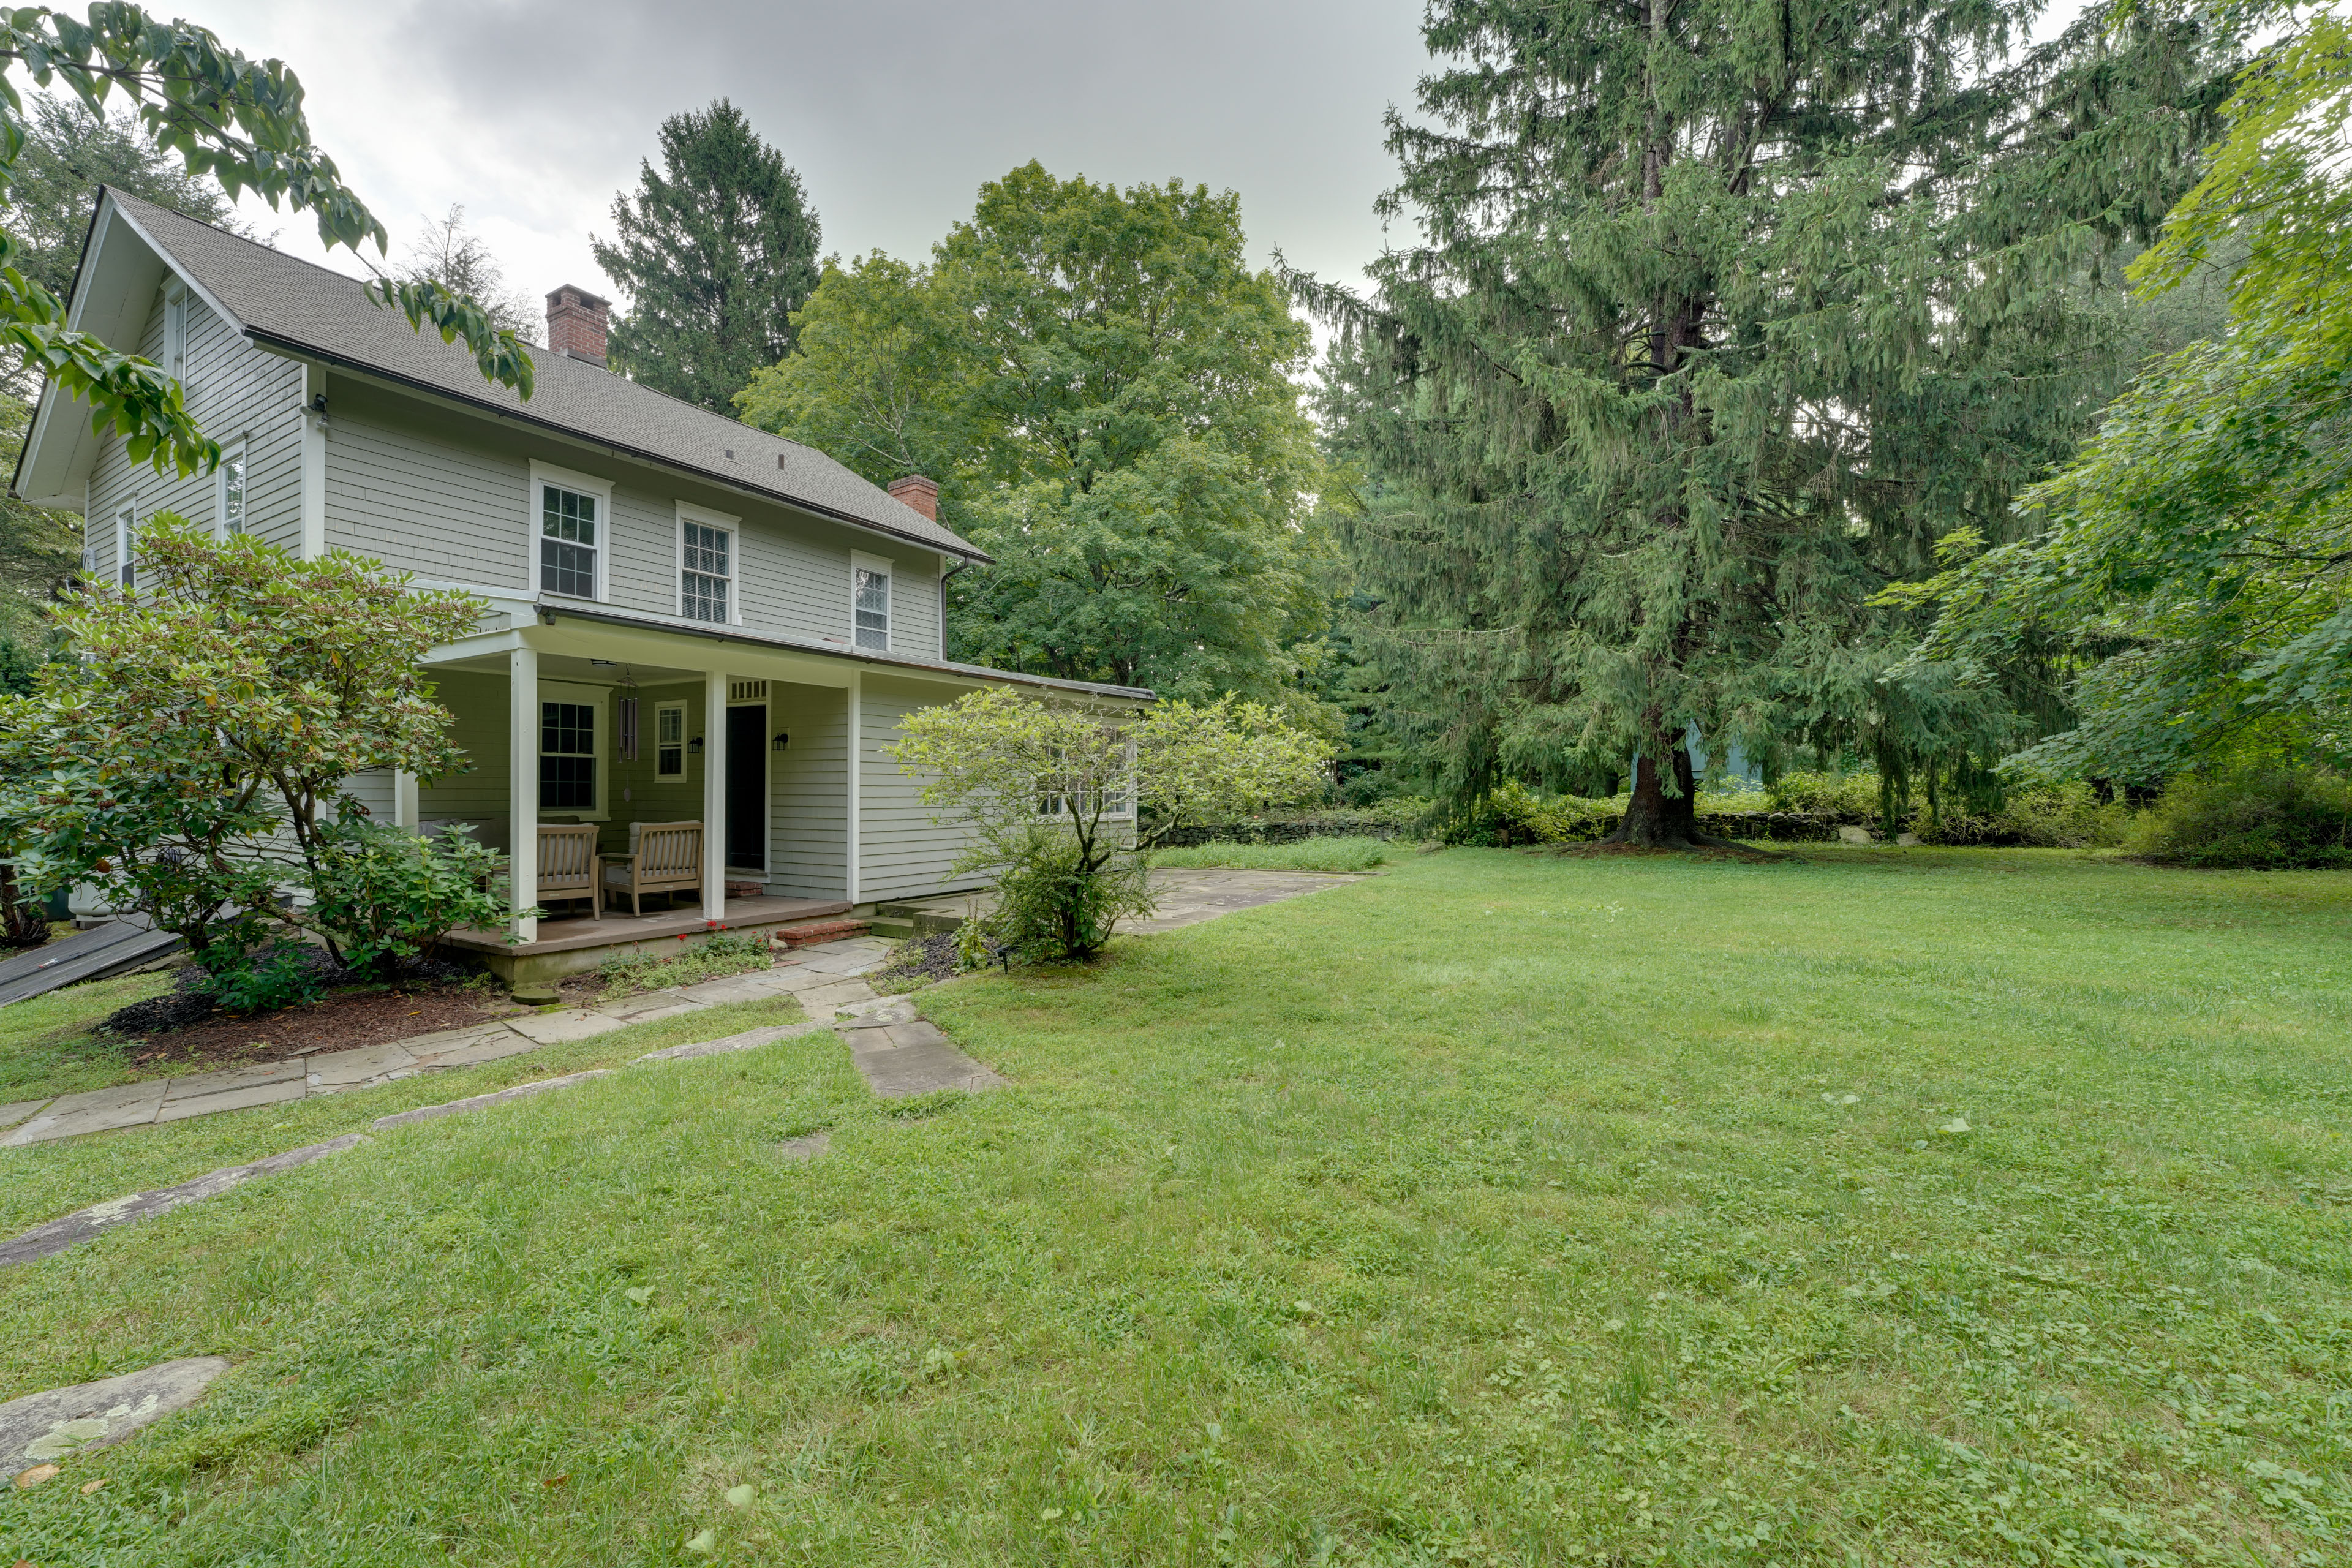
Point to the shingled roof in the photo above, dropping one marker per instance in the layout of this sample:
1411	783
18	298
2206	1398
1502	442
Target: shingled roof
306	309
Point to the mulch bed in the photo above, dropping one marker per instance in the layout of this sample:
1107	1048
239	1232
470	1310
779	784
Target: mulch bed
918	961
181	1026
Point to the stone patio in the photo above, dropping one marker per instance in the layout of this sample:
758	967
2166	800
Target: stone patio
822	977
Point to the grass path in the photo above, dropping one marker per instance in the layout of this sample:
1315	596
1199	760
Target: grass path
1500	1209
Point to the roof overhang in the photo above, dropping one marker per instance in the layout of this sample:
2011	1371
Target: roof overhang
559	627
121	266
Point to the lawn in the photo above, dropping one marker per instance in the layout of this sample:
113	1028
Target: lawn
1498	1209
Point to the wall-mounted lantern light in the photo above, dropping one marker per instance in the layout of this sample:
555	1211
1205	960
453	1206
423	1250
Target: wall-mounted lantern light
695	744
783	740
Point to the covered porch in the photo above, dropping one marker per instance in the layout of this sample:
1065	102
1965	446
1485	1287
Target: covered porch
743	776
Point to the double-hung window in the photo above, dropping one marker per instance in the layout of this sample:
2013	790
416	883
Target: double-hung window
669	740
228	491
706	572
571	524
125	528
869	592
709	565
567	756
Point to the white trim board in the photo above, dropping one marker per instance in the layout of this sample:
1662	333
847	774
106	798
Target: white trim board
543	473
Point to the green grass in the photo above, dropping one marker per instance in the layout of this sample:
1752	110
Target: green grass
46	1047
1502	1209
1336	854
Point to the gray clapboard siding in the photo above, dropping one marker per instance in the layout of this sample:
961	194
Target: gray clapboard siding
403	491
479	705
809	791
902	852
236	392
651	798
373	790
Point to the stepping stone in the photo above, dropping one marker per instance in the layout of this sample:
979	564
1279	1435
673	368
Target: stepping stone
41	1428
484	1101
255	1076
732	988
801	1150
465	1049
748	1040
43	1240
336	1070
826	1000
96	1110
652	1004
555	1028
22	1110
290	1088
898	1072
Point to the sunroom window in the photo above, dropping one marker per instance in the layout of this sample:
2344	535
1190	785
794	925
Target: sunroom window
567	543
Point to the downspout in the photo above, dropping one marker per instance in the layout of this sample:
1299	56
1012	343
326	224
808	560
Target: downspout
950	572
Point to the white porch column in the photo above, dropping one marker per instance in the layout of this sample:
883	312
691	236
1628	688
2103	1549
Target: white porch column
522	788
714	794
853	751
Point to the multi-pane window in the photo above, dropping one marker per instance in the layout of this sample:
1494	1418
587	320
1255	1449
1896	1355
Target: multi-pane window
567	756
232	491
669	740
706	573
123	530
870	588
567	543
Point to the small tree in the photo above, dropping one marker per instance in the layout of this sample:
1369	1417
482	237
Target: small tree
1061	797
191	762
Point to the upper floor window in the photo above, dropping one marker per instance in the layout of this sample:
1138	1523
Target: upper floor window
228	496
567	544
870	601
706	572
571	532
175	331
124	527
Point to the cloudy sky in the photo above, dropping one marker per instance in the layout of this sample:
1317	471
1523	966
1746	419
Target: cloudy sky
534	114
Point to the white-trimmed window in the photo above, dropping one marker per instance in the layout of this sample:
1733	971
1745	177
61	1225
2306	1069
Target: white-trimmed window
669	740
125	526
175	331
869	602
570	525
228	491
572	746
707	565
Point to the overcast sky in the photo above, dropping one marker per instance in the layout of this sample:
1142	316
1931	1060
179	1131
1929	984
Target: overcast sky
894	112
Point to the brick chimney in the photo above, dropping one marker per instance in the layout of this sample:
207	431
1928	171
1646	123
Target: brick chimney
575	323
918	492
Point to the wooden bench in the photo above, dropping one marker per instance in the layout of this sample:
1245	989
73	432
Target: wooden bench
665	857
567	862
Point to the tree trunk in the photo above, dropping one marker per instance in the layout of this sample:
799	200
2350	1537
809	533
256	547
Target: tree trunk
1652	820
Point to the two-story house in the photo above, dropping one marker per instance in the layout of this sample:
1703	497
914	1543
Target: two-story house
685	619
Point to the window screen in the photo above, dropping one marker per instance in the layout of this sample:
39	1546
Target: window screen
873	594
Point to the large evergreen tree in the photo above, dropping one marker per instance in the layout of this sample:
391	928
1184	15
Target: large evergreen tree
714	254
1102	384
1724	313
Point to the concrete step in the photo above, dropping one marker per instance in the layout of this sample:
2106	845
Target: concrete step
897	929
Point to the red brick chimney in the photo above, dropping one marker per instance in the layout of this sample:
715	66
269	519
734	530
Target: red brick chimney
575	323
918	492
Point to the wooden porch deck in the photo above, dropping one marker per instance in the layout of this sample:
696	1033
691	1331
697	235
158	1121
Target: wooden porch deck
569	946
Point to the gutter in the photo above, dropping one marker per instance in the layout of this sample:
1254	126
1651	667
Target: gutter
969	554
549	614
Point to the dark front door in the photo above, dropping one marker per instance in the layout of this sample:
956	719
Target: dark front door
747	788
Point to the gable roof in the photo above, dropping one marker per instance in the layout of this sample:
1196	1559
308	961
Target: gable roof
308	311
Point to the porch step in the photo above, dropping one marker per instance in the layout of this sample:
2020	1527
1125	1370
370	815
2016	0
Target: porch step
810	931
890	928
917	919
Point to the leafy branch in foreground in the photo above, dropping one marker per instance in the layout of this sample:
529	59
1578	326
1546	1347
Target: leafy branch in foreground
2193	576
239	121
1059	797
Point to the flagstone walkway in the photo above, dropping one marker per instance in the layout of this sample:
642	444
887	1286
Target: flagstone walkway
822	978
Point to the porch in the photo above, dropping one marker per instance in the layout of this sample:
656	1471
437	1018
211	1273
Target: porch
572	946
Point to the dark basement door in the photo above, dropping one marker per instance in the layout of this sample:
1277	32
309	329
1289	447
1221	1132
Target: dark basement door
747	788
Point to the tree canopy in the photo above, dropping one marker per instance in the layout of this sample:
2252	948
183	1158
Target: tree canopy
1722	316
446	252
715	253
2187	588
1101	384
